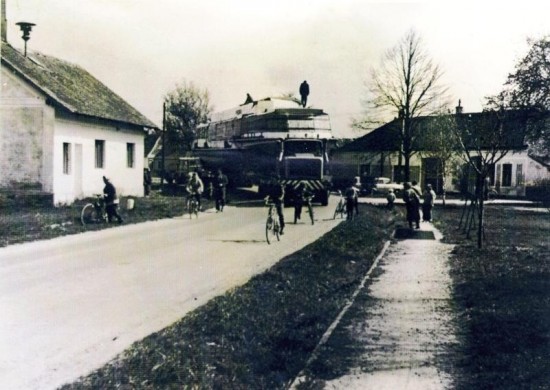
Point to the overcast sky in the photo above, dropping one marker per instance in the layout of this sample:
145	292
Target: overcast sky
142	48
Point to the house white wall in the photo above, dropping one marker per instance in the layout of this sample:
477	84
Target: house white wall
32	135
524	171
25	135
83	178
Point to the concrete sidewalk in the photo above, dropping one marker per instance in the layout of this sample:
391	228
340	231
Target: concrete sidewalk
398	331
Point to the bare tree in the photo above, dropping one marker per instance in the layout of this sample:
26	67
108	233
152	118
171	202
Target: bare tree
186	107
484	140
441	143
407	83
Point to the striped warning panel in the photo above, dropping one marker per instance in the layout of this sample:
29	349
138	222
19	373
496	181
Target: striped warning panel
310	184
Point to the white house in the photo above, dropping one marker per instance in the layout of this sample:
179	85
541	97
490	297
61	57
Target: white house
377	154
62	130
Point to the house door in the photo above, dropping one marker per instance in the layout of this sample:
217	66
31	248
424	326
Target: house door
77	190
432	174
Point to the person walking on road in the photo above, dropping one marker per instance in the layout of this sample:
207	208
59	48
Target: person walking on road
304	92
111	201
391	199
412	203
147	181
427	206
220	190
300	198
351	197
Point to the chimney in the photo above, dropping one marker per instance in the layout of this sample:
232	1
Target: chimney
4	22
458	109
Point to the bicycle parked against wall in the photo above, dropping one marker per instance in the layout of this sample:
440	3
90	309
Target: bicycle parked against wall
94	212
272	226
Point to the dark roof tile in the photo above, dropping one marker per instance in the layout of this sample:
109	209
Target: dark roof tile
71	87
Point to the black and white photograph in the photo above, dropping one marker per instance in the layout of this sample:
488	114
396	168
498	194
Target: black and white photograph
239	194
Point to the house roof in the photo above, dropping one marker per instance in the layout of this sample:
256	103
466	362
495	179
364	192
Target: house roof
71	87
542	160
152	141
387	137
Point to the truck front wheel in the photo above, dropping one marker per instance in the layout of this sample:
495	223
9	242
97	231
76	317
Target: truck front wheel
324	198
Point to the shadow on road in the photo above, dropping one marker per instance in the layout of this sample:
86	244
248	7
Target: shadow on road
241	241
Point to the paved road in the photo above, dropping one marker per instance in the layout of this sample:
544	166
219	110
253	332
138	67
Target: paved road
71	304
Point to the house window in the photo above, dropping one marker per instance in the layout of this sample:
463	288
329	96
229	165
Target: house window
364	169
519	175
130	149
506	175
66	158
99	153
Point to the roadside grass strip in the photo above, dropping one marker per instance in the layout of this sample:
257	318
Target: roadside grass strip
300	378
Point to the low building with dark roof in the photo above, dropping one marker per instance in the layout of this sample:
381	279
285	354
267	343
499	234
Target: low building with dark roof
62	130
377	154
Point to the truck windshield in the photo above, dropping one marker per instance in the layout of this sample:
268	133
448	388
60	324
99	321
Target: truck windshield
294	147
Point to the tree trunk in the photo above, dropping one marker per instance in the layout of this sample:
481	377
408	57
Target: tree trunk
481	222
480	191
407	158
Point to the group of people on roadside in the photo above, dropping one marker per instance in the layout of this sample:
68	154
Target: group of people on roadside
412	196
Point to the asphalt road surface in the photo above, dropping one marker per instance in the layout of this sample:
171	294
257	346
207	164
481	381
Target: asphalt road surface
71	304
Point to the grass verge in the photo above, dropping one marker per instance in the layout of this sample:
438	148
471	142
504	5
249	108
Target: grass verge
38	222
502	297
261	334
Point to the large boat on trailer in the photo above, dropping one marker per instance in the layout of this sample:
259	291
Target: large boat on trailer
267	138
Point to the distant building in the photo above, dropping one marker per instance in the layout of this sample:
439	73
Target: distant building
377	155
62	130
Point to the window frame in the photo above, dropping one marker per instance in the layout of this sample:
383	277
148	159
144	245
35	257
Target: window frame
130	155
99	152
507	174
67	161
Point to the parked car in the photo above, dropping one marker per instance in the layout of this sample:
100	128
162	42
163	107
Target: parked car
364	187
383	184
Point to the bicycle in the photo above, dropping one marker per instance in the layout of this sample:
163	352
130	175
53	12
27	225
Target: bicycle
94	212
192	206
340	207
272	227
307	201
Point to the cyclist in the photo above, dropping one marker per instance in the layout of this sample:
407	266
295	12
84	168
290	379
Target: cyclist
195	188
111	201
277	195
300	199
351	200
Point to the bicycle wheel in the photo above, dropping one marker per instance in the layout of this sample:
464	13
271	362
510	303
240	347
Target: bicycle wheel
268	228
342	210
88	215
336	211
191	208
276	229
310	212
